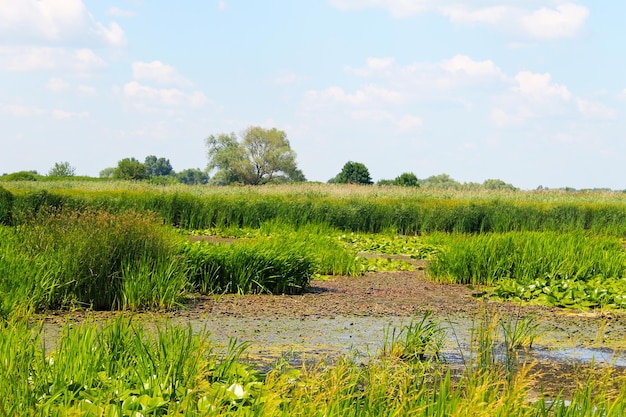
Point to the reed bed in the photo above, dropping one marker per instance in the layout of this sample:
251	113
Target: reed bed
66	259
73	259
349	208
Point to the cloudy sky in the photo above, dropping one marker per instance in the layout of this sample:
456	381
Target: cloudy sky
532	92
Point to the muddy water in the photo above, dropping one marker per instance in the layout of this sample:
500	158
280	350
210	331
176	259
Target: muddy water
565	339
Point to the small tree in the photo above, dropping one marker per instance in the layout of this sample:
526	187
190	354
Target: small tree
353	173
192	176
62	169
496	184
130	169
262	156
157	167
407	179
441	181
107	172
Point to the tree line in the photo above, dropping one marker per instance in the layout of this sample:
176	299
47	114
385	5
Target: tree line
256	156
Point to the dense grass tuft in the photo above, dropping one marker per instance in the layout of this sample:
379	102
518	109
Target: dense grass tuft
63	259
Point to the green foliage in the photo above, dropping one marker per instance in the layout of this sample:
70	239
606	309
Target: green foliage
263	156
6	206
421	339
107	172
352	173
62	169
349	208
259	267
160	167
526	256
407	179
73	259
192	176
130	169
563	291
30	204
495	184
391	244
21	176
441	181
557	269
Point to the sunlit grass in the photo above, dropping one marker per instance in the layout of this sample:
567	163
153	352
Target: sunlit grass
347	207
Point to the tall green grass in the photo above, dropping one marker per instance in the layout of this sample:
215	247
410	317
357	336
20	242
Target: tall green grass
562	269
67	259
525	256
262	267
372	210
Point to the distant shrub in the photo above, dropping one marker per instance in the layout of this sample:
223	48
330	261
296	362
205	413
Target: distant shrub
21	176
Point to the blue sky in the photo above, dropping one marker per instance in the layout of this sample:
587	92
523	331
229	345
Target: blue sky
532	92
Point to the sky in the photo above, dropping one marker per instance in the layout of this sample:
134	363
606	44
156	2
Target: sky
532	92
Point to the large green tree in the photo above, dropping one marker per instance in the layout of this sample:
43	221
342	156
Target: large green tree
260	157
352	173
62	169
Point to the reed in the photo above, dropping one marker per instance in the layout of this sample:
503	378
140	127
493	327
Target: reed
66	259
262	266
350	208
526	256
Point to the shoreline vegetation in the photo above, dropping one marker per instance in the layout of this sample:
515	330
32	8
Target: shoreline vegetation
131	246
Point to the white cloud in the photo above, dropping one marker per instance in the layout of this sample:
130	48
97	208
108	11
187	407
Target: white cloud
221	5
565	21
55	21
159	72
502	118
373	66
464	64
595	110
57	84
48	58
163	96
539	86
495	15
